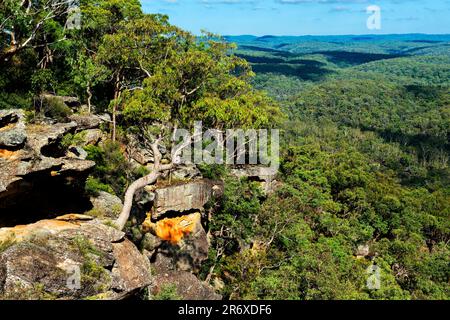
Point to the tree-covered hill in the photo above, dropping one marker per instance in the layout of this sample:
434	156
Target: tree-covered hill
364	179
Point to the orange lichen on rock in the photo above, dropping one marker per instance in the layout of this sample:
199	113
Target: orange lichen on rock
6	153
173	229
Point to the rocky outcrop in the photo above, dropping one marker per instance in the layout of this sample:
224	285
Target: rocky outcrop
12	129
184	196
188	287
176	248
71	257
182	242
88	121
38	169
264	175
106	205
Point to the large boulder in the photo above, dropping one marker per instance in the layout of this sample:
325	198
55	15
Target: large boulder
183	243
264	175
12	129
71	257
187	285
38	173
106	205
184	196
87	121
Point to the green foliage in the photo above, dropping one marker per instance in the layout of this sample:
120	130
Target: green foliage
364	161
167	292
42	80
55	108
93	186
35	292
212	171
110	173
93	275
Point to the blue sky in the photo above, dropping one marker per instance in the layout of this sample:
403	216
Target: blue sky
303	17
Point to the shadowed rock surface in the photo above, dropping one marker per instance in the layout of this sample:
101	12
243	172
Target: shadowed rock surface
43	260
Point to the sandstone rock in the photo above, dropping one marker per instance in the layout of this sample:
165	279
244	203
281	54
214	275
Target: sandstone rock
39	159
265	175
184	244
88	121
12	129
186	172
106	205
77	152
187	285
131	270
184	197
70	259
9	116
91	136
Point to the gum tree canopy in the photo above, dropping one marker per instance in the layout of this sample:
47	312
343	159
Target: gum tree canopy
164	75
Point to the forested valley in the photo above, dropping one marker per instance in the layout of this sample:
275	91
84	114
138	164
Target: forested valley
364	178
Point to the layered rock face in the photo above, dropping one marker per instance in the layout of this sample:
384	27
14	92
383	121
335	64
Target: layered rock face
34	168
177	242
184	196
70	257
56	243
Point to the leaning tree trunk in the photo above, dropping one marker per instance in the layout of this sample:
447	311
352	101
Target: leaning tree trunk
140	183
129	196
158	168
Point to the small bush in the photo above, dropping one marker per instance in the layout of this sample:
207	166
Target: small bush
93	186
111	167
167	292
55	108
212	171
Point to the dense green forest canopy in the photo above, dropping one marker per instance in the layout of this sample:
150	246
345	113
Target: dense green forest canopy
365	161
365	150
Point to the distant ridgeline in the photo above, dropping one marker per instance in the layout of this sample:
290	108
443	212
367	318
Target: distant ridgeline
313	58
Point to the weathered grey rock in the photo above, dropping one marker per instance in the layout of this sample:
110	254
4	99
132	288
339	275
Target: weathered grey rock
264	175
12	129
12	138
186	172
91	136
47	259
86	121
39	155
187	285
150	242
138	152
184	197
185	246
9	116
131	270
106	205
41	135
145	196
77	152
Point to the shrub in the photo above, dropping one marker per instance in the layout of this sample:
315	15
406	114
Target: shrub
110	173
212	171
94	185
55	108
167	292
